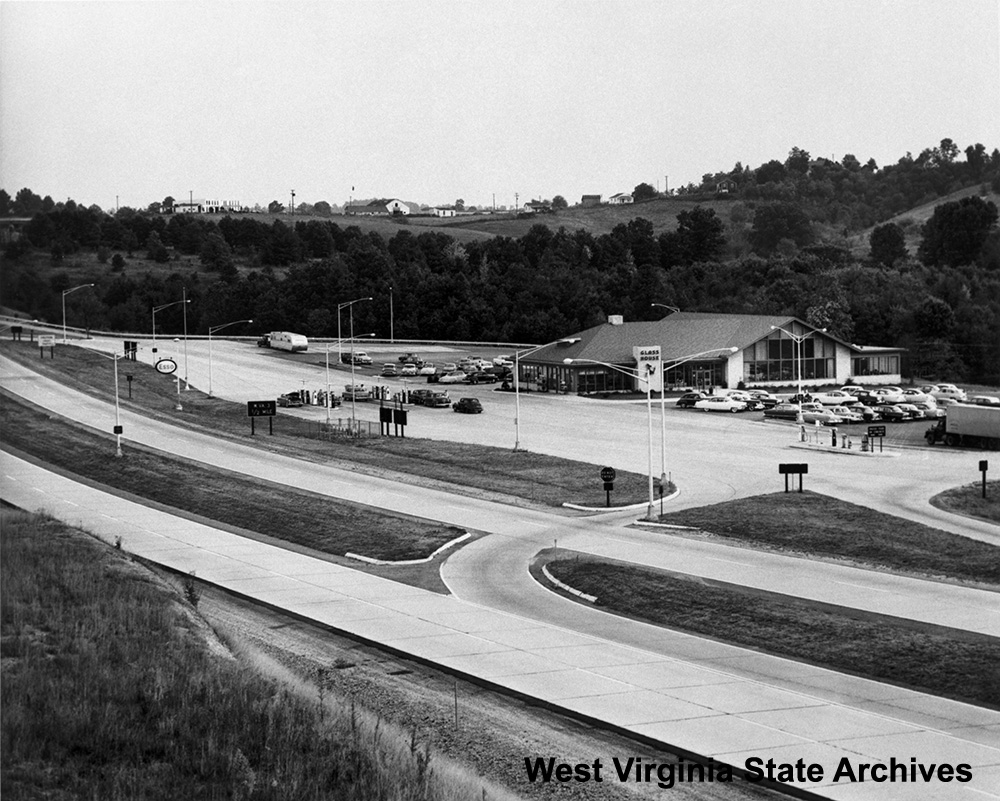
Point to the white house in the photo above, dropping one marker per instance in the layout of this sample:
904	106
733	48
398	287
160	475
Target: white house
620	199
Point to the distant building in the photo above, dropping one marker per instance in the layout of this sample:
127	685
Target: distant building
536	206
621	199
591	200
725	186
444	211
378	208
206	207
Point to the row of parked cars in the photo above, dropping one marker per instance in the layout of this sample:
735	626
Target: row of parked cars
474	370
849	404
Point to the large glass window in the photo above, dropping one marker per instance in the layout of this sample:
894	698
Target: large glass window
875	365
779	358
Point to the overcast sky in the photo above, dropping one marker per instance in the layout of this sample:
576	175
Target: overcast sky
434	101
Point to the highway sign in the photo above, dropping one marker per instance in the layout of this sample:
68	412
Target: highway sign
876	431
264	408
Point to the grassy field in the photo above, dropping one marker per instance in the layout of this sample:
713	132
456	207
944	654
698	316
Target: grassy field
113	687
496	472
938	661
819	526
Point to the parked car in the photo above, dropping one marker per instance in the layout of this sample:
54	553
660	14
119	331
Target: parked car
949	391
811	412
411	358
782	411
688	400
437	400
888	395
720	403
868	414
847	414
911	395
362	358
290	399
890	412
481	377
985	400
448	367
467	365
427	369
467	406
912	412
852	389
389	369
454	377
931	410
764	399
750	403
835	397
820	414
503	361
408	369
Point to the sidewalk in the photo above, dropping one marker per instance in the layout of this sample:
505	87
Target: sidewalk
665	700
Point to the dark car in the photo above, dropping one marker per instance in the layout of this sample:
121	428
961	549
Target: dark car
467	406
890	412
418	397
688	400
482	377
290	399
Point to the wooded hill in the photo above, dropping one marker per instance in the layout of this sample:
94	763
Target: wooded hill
908	255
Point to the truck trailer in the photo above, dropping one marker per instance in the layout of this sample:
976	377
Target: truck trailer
284	340
974	426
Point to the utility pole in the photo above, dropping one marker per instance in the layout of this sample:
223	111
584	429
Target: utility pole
292	209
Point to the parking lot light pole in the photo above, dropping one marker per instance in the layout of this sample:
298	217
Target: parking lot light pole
798	339
64	294
649	414
665	306
345	305
330	345
212	330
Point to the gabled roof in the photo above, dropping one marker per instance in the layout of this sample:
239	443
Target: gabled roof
678	335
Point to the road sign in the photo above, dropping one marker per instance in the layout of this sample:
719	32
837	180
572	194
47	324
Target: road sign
264	408
166	366
608	474
792	469
46	340
876	431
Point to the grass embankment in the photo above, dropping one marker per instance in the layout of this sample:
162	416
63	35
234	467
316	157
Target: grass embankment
969	500
537	478
111	690
819	526
280	511
945	663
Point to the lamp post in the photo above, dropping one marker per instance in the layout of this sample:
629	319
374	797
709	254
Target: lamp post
118	417
329	345
345	305
64	294
212	330
798	339
665	306
392	337
161	308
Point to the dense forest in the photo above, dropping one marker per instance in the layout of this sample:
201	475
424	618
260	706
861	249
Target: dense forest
781	250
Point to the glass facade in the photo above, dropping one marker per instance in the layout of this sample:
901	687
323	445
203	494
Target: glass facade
777	358
887	364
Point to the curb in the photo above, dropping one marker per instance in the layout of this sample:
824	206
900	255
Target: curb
545	572
608	509
371	561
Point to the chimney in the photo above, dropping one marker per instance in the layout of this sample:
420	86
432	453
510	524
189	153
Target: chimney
616	319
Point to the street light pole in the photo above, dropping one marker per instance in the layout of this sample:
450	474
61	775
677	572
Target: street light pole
329	345
798	339
212	330
187	385
64	294
665	306
340	306
118	420
161	308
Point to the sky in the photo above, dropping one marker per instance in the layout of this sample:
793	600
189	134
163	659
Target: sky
128	102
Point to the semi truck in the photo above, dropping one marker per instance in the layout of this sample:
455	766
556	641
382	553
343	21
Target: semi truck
284	340
974	426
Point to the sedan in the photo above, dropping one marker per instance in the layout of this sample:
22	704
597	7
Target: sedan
782	411
454	377
763	399
916	396
467	406
931	410
835	398
912	412
985	400
848	415
408	369
688	400
887	411
949	391
481	377
389	369
721	404
419	396
888	395
427	369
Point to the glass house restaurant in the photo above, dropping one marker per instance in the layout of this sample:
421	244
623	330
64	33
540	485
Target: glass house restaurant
705	351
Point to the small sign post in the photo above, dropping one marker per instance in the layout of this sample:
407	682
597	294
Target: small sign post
47	341
983	467
873	432
264	408
608	475
793	469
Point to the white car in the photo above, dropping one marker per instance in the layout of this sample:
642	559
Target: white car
848	415
408	370
890	395
721	403
852	389
834	397
917	396
949	391
503	361
427	369
454	377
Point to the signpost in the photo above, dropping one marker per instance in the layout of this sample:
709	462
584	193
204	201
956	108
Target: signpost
791	470
983	467
608	477
264	408
166	366
873	432
47	341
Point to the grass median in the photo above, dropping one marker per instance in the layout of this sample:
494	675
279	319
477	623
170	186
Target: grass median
940	661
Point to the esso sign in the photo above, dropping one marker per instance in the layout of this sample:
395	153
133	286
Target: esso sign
166	366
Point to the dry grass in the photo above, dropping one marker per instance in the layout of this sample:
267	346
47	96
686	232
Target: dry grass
939	661
817	525
969	500
110	690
